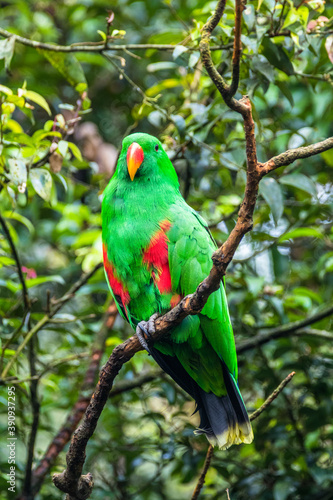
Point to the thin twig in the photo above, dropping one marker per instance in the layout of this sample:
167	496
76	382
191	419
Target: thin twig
239	7
24	321
99	46
35	407
70	481
292	155
67	429
202	477
273	396
18	263
283	331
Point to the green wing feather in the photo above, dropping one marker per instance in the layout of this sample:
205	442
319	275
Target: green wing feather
199	342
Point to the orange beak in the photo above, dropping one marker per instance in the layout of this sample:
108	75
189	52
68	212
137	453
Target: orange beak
134	158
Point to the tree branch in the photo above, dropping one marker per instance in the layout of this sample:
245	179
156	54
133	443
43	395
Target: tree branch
64	434
282	331
70	481
239	7
271	398
202	477
206	57
252	417
25	293
292	155
98	46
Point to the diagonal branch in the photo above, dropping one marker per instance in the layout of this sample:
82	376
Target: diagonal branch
202	477
98	46
226	91
64	434
292	155
239	7
283	331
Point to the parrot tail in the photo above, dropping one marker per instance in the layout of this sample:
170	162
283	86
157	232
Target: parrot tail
224	419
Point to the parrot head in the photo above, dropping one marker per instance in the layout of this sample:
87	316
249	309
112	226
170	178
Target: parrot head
143	159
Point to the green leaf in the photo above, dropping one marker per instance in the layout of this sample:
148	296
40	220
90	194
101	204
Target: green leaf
249	17
18	173
20	218
276	55
67	65
15	99
81	87
75	150
264	67
299	181
160	66
63	148
307	292
164	84
328	157
42	182
194	58
102	34
44	279
6	261
284	87
299	16
5	90
180	123
179	49
271	191
301	232
7	50
37	98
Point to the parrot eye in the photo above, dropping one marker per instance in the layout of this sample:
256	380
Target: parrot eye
156	147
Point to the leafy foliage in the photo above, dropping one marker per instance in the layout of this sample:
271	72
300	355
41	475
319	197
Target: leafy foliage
50	199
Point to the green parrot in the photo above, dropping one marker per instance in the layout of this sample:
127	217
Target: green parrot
156	250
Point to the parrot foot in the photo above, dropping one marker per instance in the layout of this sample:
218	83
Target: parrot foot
144	332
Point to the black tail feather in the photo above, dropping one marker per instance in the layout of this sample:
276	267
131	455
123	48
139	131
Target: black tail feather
177	372
223	419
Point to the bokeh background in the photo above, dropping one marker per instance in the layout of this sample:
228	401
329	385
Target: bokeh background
144	447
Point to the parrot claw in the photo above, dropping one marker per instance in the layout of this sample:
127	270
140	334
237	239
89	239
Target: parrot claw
144	332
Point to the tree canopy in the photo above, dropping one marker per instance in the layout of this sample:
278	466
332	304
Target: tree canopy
76	78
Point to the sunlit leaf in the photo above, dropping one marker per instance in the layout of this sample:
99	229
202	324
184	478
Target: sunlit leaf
20	218
42	182
301	232
18	173
75	150
37	98
5	90
45	279
164	84
6	51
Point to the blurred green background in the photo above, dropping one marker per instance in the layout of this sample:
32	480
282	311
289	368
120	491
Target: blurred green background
144	447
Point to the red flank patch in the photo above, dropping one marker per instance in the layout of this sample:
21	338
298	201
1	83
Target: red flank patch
156	258
117	287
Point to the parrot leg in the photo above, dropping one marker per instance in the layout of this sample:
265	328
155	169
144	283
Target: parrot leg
144	332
